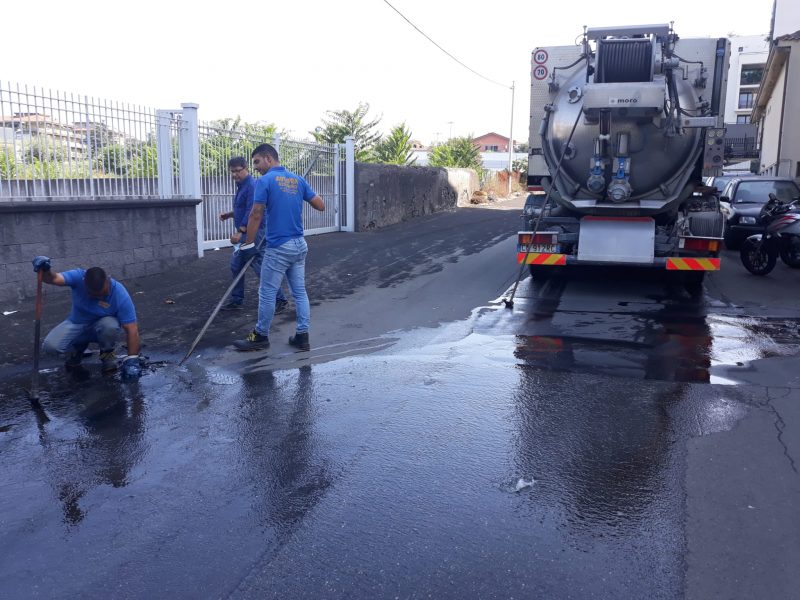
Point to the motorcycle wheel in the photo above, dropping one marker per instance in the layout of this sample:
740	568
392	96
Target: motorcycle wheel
758	258
791	256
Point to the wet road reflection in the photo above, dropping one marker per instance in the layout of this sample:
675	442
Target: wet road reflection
392	473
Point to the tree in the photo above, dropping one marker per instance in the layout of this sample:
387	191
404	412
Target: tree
395	149
343	123
230	137
8	163
459	152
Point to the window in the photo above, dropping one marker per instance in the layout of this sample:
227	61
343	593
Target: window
759	191
491	148
742	119
746	99
751	74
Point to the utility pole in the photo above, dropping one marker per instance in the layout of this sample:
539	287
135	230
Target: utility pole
511	139
451	129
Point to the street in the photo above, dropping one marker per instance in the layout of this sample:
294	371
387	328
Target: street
609	437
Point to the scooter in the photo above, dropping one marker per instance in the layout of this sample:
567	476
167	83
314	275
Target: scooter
781	237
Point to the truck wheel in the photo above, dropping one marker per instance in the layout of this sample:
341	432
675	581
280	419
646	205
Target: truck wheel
693	283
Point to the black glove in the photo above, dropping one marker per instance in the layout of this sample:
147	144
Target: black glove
131	367
41	263
247	251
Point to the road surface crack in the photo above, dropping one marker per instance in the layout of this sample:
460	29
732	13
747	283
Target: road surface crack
780	426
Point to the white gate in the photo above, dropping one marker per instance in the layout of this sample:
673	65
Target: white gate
325	166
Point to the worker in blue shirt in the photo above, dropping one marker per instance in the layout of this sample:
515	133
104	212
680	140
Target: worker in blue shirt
242	205
101	307
280	195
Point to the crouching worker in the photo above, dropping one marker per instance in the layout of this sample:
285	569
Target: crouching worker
100	307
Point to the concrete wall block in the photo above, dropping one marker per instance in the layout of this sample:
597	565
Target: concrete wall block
143	254
134	270
127	242
11	253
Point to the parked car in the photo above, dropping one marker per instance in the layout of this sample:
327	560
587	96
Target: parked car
719	181
741	202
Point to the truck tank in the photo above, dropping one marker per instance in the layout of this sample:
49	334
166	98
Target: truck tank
629	115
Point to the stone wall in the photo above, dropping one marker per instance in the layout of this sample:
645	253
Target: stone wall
128	238
389	194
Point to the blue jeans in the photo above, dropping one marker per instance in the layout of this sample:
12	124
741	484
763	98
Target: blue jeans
237	264
74	337
288	259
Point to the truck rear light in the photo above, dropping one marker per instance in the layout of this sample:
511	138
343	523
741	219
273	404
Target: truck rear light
701	244
535	188
546	237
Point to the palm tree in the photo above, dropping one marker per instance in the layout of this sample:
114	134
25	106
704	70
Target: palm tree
395	149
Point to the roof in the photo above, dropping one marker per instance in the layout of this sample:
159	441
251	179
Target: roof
789	37
505	137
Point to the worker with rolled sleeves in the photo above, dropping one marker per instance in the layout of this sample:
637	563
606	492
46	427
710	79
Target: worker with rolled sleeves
101	306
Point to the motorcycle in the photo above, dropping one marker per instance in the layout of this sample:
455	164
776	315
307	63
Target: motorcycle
781	237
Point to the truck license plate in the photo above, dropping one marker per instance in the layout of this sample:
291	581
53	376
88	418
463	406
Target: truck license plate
540	248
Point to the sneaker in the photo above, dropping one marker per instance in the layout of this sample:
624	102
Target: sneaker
231	306
280	306
253	341
108	360
300	340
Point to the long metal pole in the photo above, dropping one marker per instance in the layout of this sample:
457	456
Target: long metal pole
37	335
233	283
511	139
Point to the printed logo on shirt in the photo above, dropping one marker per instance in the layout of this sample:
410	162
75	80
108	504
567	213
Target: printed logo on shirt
103	304
288	185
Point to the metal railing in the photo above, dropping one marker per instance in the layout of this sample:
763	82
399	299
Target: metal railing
60	146
64	145
741	147
322	165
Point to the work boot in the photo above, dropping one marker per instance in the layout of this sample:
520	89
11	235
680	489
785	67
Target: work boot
253	341
300	340
232	306
280	306
108	360
73	361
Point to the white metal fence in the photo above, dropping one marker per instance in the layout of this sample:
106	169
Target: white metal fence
322	165
62	146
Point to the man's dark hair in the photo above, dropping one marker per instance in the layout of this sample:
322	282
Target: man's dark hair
237	162
266	150
95	279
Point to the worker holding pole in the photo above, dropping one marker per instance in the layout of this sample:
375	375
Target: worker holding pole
101	308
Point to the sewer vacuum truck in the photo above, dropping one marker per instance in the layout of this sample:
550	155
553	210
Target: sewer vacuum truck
624	125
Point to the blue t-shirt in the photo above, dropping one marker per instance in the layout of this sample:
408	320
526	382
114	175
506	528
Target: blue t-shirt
86	309
243	203
283	193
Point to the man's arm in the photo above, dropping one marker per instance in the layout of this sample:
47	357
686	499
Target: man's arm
254	222
225	216
132	333
317	203
53	278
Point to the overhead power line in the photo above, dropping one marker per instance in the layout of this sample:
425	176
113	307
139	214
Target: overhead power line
427	37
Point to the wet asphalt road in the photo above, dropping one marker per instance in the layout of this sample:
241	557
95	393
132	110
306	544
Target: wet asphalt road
608	438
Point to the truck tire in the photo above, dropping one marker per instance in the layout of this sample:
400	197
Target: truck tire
707	224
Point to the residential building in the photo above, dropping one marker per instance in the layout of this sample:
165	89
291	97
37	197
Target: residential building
492	142
777	103
748	58
36	126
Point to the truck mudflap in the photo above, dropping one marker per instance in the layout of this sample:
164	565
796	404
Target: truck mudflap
670	263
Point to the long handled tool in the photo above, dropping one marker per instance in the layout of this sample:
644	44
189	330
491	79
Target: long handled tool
509	302
33	393
219	305
233	284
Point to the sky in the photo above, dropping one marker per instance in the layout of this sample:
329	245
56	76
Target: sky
288	63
